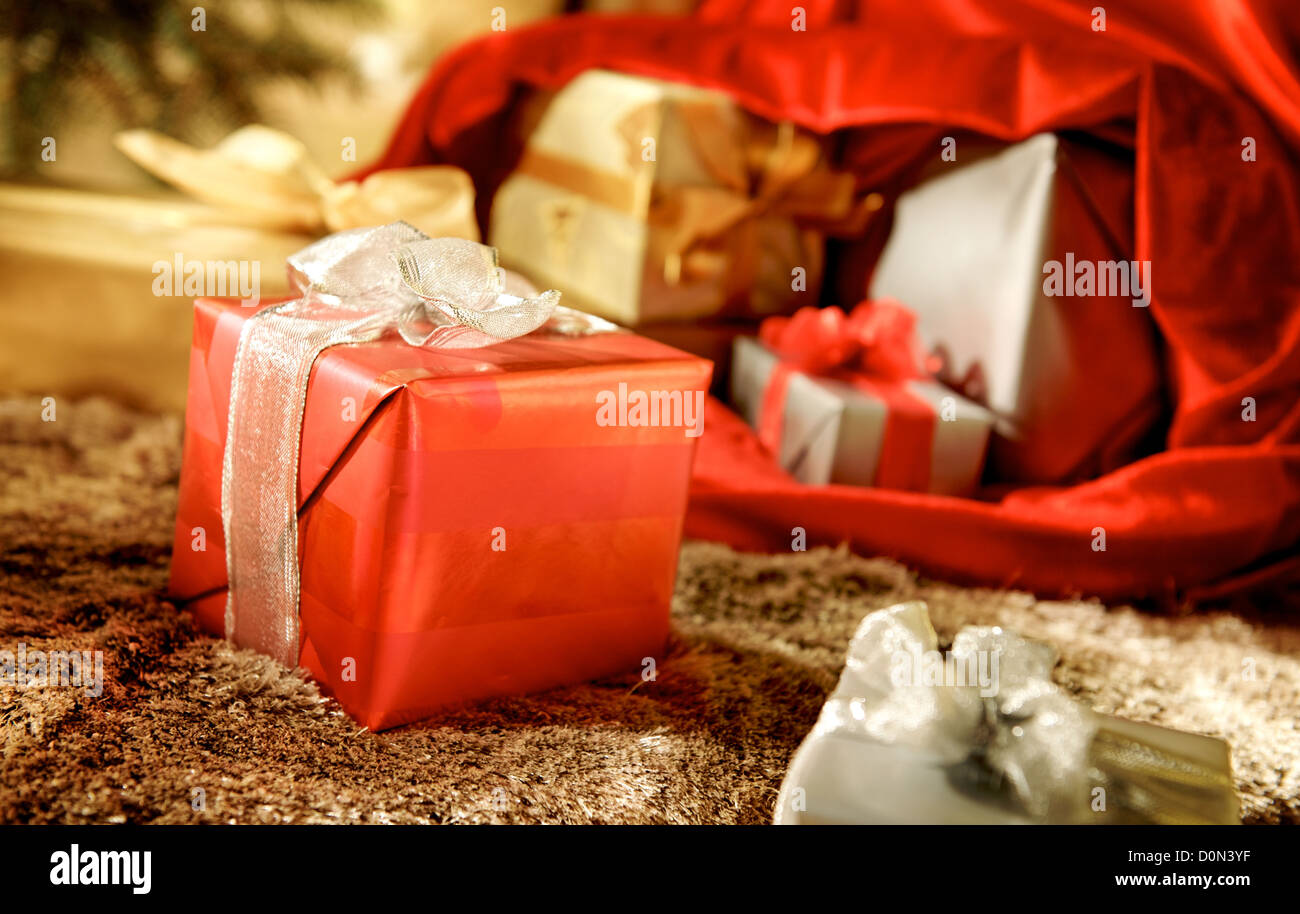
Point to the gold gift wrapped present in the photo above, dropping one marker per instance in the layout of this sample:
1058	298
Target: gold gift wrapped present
648	201
99	287
80	313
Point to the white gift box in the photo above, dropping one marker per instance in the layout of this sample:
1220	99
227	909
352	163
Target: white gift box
1073	378
886	751
833	432
850	781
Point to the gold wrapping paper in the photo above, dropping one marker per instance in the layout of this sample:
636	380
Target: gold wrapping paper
83	311
78	313
1160	776
650	201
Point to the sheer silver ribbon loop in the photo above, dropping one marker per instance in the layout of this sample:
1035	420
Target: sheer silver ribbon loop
941	734
1017	726
354	287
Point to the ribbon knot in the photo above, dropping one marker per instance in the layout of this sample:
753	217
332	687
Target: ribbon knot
877	339
775	170
444	292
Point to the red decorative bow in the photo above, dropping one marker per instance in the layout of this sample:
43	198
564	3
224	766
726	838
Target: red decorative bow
875	348
877	338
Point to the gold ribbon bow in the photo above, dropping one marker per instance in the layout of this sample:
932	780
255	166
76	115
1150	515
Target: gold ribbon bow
775	170
710	226
262	178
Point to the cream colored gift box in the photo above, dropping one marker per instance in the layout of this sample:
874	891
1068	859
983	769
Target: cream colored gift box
644	200
99	286
79	314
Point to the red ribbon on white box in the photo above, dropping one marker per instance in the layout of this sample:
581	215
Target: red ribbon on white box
873	348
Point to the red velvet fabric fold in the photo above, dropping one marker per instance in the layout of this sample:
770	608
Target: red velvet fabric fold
1190	86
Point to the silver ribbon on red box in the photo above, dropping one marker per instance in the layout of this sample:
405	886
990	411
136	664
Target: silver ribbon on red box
353	287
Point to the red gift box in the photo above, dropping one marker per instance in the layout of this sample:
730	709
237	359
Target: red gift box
466	526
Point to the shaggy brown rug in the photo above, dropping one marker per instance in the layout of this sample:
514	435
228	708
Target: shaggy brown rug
86	507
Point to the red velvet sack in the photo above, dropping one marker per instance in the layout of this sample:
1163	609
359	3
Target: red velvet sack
1208	96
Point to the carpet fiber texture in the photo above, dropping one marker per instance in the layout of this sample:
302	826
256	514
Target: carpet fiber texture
189	729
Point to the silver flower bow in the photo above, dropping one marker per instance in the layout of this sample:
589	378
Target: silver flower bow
353	287
988	715
1029	734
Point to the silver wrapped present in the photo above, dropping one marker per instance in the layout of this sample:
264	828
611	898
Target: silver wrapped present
981	735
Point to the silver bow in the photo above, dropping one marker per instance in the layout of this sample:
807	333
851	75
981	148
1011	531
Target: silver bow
353	287
1014	735
1020	730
